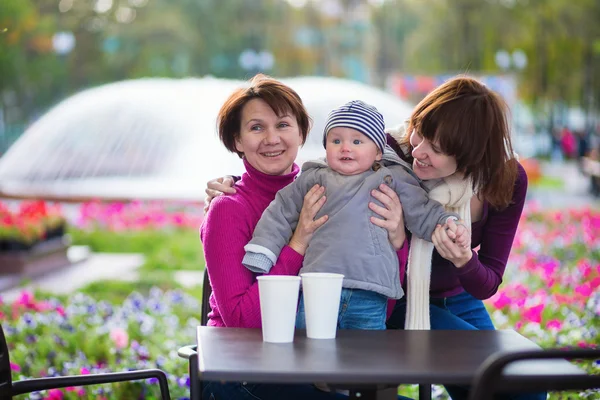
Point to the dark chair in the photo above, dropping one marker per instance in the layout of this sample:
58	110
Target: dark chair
489	379
189	352
8	388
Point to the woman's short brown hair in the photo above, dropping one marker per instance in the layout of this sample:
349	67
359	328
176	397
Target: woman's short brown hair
281	98
470	123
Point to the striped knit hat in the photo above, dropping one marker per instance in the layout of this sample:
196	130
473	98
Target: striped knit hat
360	116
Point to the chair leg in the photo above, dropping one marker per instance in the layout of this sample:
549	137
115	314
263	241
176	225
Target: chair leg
424	392
189	353
195	383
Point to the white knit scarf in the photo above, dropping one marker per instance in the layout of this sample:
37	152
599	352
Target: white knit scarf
454	193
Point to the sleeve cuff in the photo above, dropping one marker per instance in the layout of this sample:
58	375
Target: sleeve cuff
470	266
256	262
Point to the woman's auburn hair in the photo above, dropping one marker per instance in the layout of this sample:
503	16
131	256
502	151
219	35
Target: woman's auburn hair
281	98
470	123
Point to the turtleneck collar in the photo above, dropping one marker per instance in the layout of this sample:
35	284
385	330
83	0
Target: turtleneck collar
265	183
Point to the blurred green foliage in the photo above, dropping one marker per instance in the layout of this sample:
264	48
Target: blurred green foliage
123	39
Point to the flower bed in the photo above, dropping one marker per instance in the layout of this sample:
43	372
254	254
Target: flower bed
139	215
49	337
551	290
30	223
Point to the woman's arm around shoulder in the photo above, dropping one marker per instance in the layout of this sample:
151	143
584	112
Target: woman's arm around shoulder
226	229
482	275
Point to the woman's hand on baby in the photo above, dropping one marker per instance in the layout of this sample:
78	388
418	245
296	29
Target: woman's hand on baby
392	218
458	232
445	239
307	224
217	187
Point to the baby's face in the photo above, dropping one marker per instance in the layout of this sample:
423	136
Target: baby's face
350	152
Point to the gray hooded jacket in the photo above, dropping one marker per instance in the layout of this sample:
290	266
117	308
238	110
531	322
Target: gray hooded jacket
348	243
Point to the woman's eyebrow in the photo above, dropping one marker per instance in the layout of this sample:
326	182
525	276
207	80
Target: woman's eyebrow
253	120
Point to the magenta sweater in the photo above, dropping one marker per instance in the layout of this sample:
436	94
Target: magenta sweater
226	229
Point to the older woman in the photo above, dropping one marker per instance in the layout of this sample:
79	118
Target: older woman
265	124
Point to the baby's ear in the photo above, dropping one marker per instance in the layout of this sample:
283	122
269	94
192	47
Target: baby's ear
379	155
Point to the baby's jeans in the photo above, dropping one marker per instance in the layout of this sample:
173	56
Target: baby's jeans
359	309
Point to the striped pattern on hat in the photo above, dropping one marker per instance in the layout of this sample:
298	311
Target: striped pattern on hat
360	116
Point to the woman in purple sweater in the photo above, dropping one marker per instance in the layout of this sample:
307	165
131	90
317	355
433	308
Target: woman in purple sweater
265	124
461	127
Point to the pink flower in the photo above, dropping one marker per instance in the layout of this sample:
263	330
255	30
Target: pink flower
61	311
562	298
554	325
42	306
502	300
26	299
120	337
534	314
84	371
584	290
518	325
55	394
15	367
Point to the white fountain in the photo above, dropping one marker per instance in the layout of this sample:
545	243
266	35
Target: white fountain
154	138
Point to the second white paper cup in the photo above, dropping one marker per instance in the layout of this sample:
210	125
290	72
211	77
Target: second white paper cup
321	293
278	296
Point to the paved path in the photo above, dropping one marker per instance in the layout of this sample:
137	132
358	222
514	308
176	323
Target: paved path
574	194
86	268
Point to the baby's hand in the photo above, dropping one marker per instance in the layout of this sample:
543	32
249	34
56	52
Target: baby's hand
459	233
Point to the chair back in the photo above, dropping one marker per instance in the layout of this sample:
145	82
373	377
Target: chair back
489	379
5	372
206	292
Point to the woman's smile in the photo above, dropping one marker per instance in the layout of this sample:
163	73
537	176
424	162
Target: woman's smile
272	153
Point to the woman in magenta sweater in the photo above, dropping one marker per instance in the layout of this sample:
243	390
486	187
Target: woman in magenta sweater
265	124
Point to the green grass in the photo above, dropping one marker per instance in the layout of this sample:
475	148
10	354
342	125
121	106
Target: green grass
164	250
549	182
115	291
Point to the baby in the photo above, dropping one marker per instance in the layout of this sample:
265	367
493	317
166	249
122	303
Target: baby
358	161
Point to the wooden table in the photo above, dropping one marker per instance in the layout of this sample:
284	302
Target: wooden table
367	362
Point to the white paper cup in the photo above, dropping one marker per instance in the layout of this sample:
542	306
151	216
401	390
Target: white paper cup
322	292
278	296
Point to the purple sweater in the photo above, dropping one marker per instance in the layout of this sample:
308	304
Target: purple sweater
494	235
226	229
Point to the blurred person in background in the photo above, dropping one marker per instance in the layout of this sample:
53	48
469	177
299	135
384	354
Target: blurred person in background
568	143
